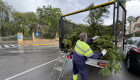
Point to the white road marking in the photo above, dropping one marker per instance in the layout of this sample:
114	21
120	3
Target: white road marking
30	70
13	45
6	46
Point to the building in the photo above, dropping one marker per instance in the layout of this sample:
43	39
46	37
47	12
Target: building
134	26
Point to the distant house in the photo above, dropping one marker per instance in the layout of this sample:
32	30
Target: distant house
134	26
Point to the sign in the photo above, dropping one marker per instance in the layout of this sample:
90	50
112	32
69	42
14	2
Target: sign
19	36
37	34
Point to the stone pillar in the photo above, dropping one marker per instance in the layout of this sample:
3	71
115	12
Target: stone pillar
19	38
33	37
0	38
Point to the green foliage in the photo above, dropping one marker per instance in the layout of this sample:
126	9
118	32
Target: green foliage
123	1
24	22
95	16
131	18
45	20
114	58
5	12
71	38
48	19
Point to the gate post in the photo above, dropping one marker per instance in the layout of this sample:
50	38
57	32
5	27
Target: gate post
0	38
19	38
33	36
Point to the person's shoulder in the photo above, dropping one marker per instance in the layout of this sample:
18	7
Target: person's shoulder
86	44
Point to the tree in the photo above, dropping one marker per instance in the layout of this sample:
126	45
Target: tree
83	25
20	22
46	20
95	19
32	22
130	19
5	14
49	19
24	22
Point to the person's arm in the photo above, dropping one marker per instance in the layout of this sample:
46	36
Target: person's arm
89	40
89	54
96	55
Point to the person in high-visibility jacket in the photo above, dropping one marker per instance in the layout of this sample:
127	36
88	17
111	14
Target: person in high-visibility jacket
82	51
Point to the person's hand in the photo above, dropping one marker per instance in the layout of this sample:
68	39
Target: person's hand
96	37
104	52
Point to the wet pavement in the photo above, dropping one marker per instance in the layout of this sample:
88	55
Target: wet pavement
93	74
17	60
7	42
36	63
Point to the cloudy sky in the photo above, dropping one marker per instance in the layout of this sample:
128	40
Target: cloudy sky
68	6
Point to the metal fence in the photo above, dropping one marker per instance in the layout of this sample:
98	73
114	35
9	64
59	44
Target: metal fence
27	37
64	26
9	38
135	34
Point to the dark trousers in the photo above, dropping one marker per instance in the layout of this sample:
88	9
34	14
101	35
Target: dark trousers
80	67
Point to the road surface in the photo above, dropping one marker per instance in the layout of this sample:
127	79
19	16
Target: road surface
35	62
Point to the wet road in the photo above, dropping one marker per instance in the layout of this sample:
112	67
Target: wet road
27	63
93	74
17	60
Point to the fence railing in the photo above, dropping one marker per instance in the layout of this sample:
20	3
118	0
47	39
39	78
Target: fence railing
9	38
27	37
136	34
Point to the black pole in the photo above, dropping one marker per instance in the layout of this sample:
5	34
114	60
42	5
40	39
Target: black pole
62	34
60	41
122	6
117	22
124	29
113	31
2	29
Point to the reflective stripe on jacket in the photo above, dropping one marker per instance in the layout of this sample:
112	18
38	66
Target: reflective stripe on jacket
83	49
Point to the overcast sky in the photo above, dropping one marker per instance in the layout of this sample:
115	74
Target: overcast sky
67	6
